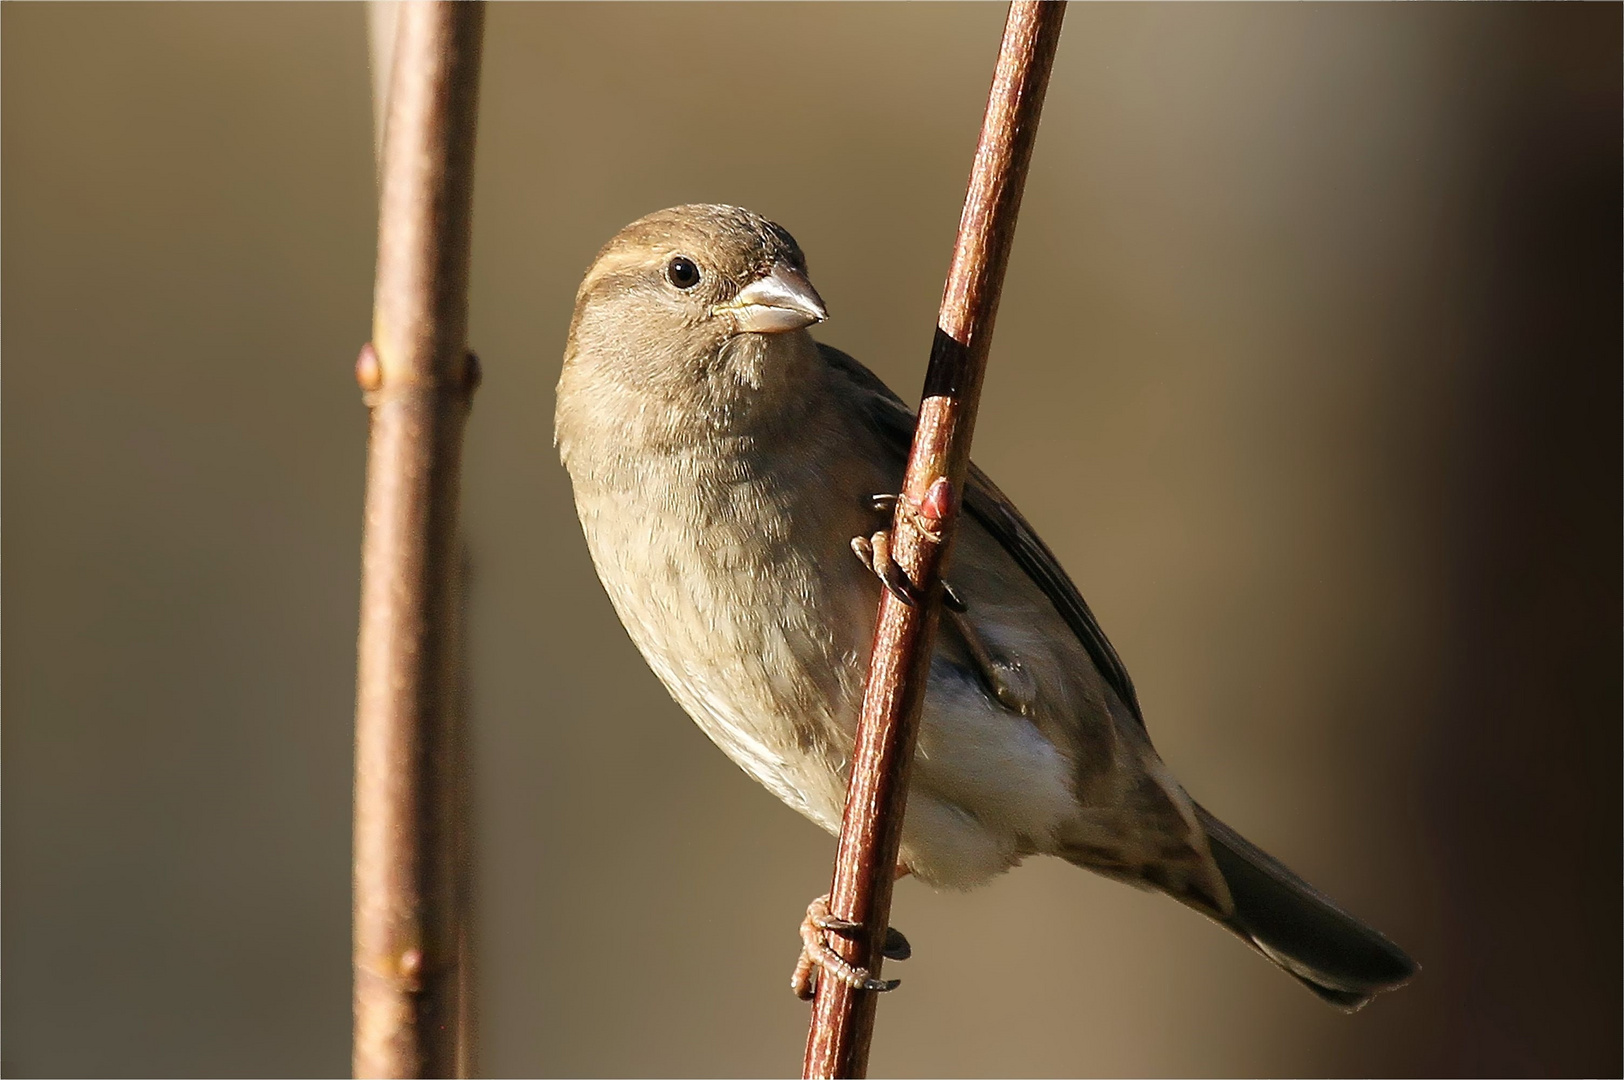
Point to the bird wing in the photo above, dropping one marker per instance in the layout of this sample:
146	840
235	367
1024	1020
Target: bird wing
998	515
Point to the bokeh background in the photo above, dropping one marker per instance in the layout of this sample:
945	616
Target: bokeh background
1308	368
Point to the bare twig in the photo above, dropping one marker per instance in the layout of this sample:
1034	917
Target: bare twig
871	833
418	377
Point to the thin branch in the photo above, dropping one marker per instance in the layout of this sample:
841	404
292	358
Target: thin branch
871	833
418	376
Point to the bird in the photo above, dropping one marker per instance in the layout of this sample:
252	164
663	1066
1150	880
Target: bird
733	477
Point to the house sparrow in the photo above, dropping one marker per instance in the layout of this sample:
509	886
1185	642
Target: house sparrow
723	462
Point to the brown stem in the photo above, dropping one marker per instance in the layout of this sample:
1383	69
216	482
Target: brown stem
418	377
871	832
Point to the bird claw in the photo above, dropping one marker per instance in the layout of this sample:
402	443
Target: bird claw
824	919
927	516
817	957
874	552
896	946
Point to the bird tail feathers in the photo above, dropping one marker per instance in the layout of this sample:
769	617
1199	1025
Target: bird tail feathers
1339	958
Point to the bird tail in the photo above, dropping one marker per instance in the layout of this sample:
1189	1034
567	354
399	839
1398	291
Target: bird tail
1339	958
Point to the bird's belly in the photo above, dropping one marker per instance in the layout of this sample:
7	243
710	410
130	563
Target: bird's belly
762	633
749	637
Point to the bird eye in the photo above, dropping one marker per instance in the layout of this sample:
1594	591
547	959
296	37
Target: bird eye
682	272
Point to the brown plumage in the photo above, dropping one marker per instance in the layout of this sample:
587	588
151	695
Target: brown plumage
722	462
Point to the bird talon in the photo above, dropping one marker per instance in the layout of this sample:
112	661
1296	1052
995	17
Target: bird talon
883	503
834	924
863	548
817	957
874	552
802	984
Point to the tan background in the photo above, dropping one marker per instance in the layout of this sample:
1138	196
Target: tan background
1308	368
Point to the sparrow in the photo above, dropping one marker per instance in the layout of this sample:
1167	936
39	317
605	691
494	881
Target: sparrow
731	478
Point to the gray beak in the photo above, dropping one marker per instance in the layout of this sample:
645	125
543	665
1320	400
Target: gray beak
779	301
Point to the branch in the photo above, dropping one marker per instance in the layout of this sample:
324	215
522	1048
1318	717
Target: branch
871	832
418	378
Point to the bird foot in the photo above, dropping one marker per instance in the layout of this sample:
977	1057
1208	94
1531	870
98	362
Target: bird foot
818	957
874	552
1008	680
926	515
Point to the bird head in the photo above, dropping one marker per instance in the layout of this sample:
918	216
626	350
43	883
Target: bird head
701	308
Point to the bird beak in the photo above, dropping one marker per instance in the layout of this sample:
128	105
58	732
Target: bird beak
780	300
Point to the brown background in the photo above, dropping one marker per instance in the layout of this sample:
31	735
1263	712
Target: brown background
1308	367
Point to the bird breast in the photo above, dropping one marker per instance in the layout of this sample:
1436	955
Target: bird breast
729	565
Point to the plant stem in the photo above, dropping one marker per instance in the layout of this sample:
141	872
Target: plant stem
418	378
871	831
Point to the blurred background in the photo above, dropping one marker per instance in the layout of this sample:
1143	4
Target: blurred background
1308	368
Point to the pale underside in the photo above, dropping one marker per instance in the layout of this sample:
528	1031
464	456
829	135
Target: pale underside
729	564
